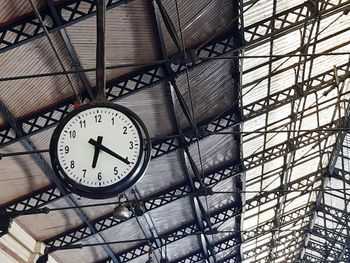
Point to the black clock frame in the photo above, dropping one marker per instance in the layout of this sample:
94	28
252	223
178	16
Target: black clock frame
105	191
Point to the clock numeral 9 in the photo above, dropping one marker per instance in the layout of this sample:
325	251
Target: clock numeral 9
115	170
72	134
98	118
125	129
66	149
72	165
99	176
131	145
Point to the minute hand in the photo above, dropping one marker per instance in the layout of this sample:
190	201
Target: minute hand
105	149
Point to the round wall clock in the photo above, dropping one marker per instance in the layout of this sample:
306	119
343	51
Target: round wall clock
100	149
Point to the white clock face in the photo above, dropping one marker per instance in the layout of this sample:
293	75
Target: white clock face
99	147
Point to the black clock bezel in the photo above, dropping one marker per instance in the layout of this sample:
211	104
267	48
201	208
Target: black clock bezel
104	191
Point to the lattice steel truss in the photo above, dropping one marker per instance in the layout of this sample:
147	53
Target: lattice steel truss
323	228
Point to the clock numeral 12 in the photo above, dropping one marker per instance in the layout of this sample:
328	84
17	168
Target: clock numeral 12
98	118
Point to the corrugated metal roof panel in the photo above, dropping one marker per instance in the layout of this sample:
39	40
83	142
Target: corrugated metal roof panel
85	254
214	77
128	230
213	151
130	38
172	215
152	105
166	171
12	10
31	95
197	22
20	175
44	226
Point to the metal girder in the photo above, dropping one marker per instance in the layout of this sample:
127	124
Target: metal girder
170	236
302	183
39	159
28	27
287	219
295	143
115	89
70	48
164	197
168	196
294	92
311	258
322	250
289	20
51	193
254	160
45	195
282	241
286	21
287	250
160	14
221	245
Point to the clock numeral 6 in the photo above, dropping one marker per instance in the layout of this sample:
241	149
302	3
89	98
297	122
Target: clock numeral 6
115	170
99	176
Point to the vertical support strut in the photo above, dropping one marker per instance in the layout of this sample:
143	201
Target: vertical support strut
100	48
201	217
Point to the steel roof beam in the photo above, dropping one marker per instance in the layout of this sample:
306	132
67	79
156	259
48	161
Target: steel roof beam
230	170
218	217
303	140
159	14
28	27
70	49
152	75
39	159
221	245
115	89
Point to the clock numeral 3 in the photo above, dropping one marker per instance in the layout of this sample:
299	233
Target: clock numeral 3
115	170
131	145
72	134
99	176
125	129
66	149
98	118
72	165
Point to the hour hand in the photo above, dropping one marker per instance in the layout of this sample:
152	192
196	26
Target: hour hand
109	151
97	151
